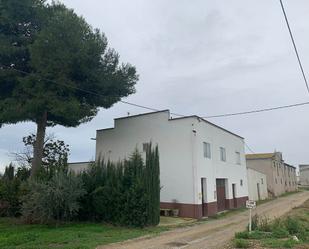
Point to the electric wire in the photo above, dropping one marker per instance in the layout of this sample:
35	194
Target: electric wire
155	109
294	45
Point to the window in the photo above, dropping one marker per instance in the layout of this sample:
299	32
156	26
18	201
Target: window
207	152
237	157
276	180
241	182
222	154
262	180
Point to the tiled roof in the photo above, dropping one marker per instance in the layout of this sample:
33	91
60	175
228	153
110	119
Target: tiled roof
260	156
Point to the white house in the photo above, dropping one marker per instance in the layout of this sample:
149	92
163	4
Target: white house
257	185
202	166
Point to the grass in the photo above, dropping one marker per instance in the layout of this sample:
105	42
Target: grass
70	236
280	232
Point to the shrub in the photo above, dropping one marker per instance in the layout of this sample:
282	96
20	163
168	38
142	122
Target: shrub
53	200
280	232
106	206
293	226
242	235
255	222
10	192
125	193
241	243
264	224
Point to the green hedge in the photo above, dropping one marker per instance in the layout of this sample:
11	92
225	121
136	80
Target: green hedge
125	193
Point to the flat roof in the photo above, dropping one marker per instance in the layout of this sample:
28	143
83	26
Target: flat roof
81	162
206	121
260	156
173	119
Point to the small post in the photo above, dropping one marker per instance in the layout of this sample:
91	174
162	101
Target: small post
250	220
250	205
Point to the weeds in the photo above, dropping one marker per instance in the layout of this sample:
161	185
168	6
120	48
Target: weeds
241	243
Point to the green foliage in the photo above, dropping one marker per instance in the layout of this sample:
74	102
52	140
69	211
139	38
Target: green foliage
47	53
253	235
242	235
55	156
125	193
72	235
50	42
53	200
275	243
280	232
255	222
10	192
293	225
241	243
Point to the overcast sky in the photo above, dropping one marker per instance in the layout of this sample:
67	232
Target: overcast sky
202	57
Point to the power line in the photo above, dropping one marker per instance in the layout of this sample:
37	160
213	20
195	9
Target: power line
85	91
155	109
249	148
258	110
294	45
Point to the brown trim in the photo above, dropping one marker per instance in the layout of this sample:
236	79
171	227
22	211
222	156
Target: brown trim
208	209
241	201
229	203
185	210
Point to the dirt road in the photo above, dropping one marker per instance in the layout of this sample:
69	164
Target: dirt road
214	233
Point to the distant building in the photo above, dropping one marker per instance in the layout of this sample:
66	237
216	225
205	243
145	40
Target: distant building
304	175
79	166
257	185
202	166
281	177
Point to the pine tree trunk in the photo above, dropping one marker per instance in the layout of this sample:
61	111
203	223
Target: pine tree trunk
39	144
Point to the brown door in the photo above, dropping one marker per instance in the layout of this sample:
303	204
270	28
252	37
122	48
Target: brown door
220	194
234	195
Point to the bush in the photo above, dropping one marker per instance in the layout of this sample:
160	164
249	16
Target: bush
10	193
280	232
241	243
255	222
242	235
293	226
53	200
124	193
106	206
264	224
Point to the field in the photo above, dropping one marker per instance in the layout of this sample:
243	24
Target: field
290	231
14	235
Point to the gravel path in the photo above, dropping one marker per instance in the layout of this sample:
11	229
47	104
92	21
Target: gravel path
213	233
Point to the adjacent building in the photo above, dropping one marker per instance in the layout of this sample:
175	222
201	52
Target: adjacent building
257	185
202	166
304	175
280	176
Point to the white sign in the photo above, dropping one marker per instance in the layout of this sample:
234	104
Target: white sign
250	204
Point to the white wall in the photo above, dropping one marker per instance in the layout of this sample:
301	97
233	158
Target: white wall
182	163
255	177
174	148
78	167
215	168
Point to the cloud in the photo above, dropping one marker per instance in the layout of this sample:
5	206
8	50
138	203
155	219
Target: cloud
205	58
